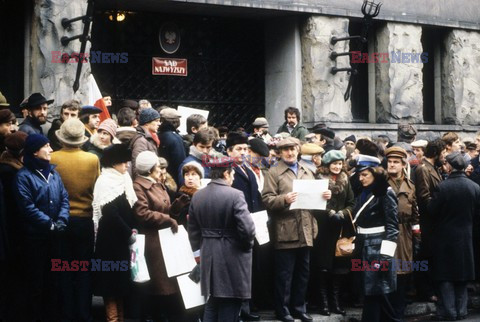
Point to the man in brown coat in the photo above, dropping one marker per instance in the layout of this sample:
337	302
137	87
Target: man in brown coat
293	232
427	178
409	227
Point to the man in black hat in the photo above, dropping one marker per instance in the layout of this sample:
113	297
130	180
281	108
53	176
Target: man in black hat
292	124
37	106
7	122
455	204
325	137
90	117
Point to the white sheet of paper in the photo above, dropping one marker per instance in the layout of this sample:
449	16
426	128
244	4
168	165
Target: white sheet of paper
191	292
204	182
310	194
176	250
185	112
260	219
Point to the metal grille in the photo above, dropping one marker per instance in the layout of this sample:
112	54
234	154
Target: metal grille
225	65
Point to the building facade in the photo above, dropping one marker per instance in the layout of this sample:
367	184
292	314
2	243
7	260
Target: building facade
250	58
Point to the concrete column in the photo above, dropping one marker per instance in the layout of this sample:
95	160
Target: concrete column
283	69
55	80
323	92
461	78
399	80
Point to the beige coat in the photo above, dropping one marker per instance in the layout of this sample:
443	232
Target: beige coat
291	228
407	218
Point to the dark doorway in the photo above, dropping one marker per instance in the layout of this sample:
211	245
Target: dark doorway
225	64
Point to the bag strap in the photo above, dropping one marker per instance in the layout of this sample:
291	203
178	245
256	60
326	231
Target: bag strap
353	226
361	209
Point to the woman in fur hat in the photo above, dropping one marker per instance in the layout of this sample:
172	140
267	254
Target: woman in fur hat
332	223
114	222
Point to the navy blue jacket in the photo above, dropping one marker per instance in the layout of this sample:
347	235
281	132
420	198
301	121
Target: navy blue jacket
249	187
41	201
29	126
475	162
171	148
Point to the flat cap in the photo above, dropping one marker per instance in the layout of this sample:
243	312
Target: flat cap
326	132
457	161
260	122
419	144
130	104
169	113
287	142
311	149
89	109
396	152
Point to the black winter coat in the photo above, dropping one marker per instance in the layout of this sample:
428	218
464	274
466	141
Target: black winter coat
249	187
114	230
453	207
381	211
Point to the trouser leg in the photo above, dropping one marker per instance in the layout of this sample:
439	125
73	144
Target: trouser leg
300	280
284	266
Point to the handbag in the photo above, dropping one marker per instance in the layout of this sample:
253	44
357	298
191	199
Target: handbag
345	246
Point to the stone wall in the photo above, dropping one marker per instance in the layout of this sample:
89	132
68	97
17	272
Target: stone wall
55	80
322	94
461	78
399	85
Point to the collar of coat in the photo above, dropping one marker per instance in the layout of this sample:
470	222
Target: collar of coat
283	167
219	181
147	183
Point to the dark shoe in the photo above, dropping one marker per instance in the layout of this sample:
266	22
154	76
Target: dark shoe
286	318
249	316
304	317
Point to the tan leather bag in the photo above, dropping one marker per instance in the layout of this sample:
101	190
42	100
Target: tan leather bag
345	246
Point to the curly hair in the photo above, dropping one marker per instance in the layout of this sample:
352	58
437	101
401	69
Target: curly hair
292	110
434	149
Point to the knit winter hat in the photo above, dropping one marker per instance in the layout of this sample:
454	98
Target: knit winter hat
192	165
110	126
147	115
332	156
145	161
34	142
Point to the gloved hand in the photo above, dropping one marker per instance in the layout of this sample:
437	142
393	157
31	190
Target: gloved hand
60	226
195	274
179	204
339	216
174	225
133	237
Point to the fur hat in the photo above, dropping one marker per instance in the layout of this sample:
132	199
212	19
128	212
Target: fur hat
6	116
235	138
332	156
110	126
72	132
34	142
367	147
15	142
115	154
145	161
259	146
147	115
196	166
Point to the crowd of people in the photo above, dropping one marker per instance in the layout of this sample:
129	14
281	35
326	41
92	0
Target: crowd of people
84	190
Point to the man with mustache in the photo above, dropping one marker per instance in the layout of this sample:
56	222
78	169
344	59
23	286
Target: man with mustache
37	106
292	124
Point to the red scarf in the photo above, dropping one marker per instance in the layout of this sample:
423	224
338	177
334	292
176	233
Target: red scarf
155	138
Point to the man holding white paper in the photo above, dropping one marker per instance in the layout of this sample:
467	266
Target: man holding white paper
294	231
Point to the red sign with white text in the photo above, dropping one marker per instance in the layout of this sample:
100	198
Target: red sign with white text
169	66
